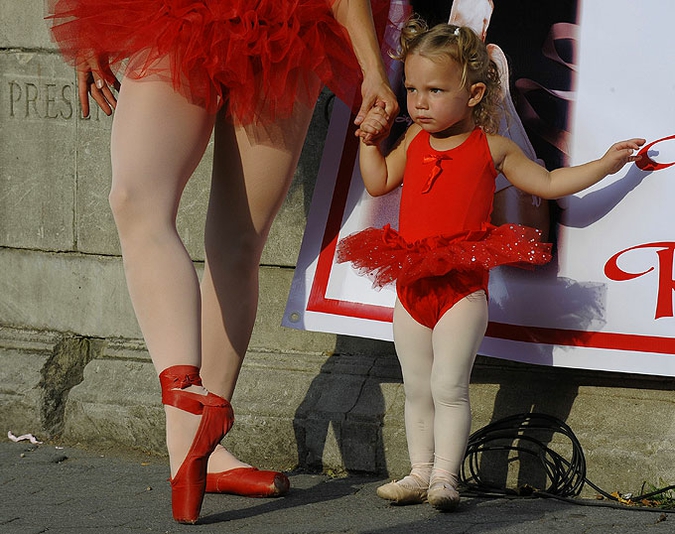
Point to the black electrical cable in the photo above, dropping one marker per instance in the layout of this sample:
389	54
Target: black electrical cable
566	477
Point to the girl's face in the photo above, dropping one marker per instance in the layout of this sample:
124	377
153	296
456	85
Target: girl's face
437	101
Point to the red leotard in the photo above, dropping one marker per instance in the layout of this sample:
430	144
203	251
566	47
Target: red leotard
446	244
446	192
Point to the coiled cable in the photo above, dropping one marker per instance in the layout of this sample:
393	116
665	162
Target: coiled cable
566	476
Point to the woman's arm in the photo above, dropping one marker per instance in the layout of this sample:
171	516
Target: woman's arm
357	18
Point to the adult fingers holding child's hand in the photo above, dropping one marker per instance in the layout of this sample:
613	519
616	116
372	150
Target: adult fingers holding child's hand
621	153
375	91
374	125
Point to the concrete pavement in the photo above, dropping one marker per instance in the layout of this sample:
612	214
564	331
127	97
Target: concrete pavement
70	490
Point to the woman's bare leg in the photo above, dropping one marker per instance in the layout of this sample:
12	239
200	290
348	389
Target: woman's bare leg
158	138
253	169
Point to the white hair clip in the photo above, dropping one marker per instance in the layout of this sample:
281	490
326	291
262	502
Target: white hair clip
456	32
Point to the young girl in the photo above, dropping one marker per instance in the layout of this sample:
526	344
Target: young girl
447	162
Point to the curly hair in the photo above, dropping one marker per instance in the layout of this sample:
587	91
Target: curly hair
462	45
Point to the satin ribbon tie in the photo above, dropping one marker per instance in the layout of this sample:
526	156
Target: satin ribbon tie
435	171
185	381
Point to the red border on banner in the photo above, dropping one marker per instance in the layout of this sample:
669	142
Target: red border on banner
318	302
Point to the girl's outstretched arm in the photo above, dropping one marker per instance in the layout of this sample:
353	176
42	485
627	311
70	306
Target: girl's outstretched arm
534	179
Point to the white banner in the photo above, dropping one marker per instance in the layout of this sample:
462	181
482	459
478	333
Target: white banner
606	300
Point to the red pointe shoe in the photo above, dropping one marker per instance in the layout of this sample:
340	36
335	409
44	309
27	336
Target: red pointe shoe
189	484
248	482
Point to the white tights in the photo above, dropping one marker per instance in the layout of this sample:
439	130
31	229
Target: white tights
158	139
436	366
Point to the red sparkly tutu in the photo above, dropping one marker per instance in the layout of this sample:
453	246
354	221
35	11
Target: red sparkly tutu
256	55
385	257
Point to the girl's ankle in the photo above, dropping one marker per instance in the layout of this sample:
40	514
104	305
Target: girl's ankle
442	476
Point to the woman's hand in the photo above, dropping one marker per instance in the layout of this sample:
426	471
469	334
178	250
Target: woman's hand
376	93
374	125
95	78
357	18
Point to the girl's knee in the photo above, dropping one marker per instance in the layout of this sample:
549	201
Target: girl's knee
448	390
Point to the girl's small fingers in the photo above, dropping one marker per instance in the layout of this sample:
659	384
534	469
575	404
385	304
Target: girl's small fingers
380	120
378	111
633	143
369	130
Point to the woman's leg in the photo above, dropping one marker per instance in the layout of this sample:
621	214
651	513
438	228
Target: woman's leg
158	139
252	171
456	339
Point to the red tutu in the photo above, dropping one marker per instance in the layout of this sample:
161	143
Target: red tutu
255	55
384	256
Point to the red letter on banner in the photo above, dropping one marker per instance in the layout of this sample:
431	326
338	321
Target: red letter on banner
666	252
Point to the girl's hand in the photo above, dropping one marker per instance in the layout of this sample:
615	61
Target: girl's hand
376	92
95	77
374	126
621	153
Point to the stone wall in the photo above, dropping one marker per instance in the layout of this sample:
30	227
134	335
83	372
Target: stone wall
73	367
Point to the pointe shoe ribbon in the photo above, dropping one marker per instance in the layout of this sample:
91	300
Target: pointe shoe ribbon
248	482
189	484
174	380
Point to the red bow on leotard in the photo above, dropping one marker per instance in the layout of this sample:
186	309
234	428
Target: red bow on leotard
435	171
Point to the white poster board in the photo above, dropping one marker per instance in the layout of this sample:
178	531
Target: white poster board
606	300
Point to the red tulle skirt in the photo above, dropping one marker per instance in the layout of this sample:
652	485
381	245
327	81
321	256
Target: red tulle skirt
385	257
256	56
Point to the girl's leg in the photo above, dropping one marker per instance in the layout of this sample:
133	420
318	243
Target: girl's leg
414	349
252	171
157	141
456	339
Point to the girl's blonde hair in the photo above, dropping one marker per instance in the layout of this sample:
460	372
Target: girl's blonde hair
465	47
